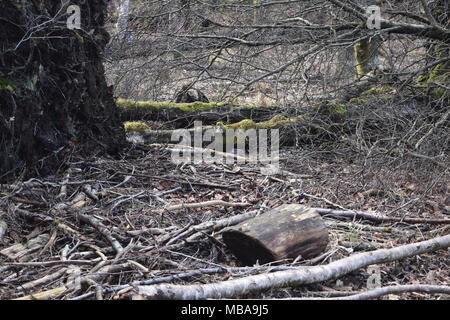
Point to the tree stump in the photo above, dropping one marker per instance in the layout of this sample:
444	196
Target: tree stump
285	232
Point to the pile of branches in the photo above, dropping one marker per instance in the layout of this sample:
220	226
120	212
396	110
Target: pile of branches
130	229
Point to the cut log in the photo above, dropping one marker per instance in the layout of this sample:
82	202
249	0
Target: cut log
285	232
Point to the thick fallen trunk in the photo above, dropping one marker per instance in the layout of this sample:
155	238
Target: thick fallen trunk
182	114
285	232
301	276
291	130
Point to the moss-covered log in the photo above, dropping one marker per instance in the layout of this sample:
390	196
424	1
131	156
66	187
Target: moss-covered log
53	93
286	232
183	114
289	127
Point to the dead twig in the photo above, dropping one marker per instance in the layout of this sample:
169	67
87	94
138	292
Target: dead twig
102	229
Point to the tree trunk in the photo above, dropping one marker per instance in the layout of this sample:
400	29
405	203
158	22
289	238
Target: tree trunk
122	22
366	51
53	95
286	232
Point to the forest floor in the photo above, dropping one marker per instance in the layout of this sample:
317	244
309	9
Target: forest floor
106	225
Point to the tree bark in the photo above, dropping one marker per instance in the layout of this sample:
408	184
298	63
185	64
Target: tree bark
53	93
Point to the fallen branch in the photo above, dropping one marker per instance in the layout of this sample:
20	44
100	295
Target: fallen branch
3	227
92	276
45	295
303	276
186	182
188	274
378	219
197	231
45	218
44	280
378	292
206	204
102	229
51	263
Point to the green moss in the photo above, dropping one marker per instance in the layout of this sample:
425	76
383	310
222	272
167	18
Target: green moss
380	91
153	105
352	237
136	126
358	100
275	122
439	74
7	85
332	108
399	194
362	51
244	125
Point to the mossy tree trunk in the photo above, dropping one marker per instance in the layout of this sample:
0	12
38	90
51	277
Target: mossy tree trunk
53	95
437	78
366	51
441	72
366	56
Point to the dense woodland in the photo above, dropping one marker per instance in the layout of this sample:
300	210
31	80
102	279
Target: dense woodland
93	205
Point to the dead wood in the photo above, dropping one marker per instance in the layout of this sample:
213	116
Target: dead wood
308	275
378	219
286	232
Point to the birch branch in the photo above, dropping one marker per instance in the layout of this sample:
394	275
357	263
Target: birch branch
378	292
3	228
303	276
378	219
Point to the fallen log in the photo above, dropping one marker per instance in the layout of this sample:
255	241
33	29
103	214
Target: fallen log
285	232
290	129
301	276
183	114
